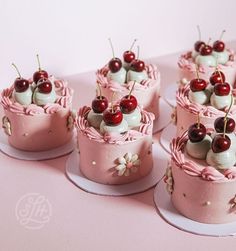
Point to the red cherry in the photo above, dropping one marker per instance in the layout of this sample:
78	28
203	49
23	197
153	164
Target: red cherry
198	84
220	143
219	125
222	89
39	75
115	65
196	132
21	84
44	86
198	45
128	56
217	77
218	46
112	117
99	104
128	104
205	50
137	65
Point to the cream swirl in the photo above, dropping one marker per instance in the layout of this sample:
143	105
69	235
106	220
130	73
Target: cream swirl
33	109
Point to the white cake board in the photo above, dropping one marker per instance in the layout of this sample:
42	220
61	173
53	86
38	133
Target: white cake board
170	94
77	178
167	135
172	216
42	155
164	117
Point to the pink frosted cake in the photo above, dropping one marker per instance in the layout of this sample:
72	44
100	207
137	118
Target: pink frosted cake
115	143
118	76
201	177
37	114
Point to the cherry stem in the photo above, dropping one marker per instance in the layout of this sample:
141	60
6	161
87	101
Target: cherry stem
231	103
112	101
197	72
112	48
198	121
132	45
221	79
131	89
199	32
138	52
16	69
38	62
209	40
222	34
225	123
99	91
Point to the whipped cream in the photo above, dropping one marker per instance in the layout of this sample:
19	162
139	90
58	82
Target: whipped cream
121	128
23	98
119	77
133	119
137	76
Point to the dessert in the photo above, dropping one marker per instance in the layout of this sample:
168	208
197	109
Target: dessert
37	112
203	187
118	76
119	151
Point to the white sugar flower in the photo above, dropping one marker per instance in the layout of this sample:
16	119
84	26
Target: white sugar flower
127	164
71	120
6	125
168	179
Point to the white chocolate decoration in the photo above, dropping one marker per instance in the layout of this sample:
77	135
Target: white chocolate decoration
220	102
221	57
136	76
44	98
119	77
194	54
133	119
200	149
24	98
208	60
200	97
122	127
223	160
95	119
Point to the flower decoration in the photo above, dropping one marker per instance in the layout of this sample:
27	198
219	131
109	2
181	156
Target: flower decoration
71	120
168	179
174	116
127	164
233	203
6	125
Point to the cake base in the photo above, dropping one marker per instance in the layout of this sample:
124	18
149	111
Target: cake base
171	215
42	155
167	135
170	94
76	177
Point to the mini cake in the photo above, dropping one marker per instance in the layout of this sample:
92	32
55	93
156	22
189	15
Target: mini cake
115	141
208	100
201	177
118	76
37	113
207	58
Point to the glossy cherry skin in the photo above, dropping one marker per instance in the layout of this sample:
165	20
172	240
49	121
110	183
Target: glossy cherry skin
21	84
99	104
198	45
218	46
137	65
205	50
220	143
196	132
198	84
128	104
39	75
217	77
219	125
44	86
112	118
222	89
115	65
128	56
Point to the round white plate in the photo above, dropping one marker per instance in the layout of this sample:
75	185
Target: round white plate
164	118
77	178
171	215
42	155
170	94
167	135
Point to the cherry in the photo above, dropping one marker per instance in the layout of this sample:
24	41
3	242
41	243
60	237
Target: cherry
219	45
20	84
220	143
222	89
205	50
199	43
137	65
198	84
129	55
99	104
40	73
112	117
196	132
217	77
219	125
44	86
114	64
128	104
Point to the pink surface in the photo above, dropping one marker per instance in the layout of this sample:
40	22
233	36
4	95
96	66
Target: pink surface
82	221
